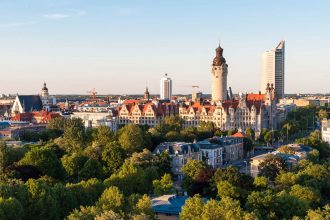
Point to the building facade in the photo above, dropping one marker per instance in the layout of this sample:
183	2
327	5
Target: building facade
273	69
96	119
219	74
166	88
300	152
48	102
214	151
326	130
148	113
256	111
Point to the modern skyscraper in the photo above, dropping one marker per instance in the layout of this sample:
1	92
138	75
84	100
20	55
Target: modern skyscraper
273	63
219	74
166	87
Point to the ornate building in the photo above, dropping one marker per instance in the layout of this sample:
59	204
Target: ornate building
219	74
256	111
150	113
48	102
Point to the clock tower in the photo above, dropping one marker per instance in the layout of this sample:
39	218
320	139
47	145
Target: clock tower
219	74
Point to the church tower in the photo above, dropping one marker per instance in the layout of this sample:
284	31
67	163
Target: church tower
44	91
219	74
146	94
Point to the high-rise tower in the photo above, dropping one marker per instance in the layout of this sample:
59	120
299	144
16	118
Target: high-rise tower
166	88
273	64
219	74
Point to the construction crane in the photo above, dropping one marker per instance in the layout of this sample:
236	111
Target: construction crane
93	93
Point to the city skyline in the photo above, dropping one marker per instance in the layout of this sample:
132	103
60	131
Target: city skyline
74	46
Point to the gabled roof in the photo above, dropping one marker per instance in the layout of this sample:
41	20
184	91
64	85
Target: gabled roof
30	102
255	97
238	135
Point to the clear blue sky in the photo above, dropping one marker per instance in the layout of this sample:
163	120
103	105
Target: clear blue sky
118	46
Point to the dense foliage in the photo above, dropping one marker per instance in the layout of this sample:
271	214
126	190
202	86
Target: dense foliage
74	173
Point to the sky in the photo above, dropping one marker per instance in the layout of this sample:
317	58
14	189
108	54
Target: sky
120	47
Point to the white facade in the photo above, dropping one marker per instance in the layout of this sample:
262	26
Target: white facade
95	119
166	88
219	74
273	69
326	130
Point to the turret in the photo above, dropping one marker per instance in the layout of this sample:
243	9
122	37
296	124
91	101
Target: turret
219	74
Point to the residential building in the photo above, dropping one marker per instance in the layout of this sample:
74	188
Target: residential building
219	74
180	153
214	151
326	130
166	88
36	117
144	113
300	152
96	119
273	69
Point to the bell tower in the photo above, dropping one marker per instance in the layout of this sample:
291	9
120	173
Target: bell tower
219	74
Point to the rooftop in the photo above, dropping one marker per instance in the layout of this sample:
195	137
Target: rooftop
168	204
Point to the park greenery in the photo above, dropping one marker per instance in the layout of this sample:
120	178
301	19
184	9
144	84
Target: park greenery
76	173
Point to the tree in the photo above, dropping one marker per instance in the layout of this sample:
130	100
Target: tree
323	114
250	133
289	129
10	208
285	180
56	124
192	168
170	123
308	194
272	166
109	215
314	140
192	209
102	135
3	150
42	201
86	193
84	213
314	156
131	138
261	203
173	136
74	134
73	164
91	169
286	150
271	136
197	177
45	160
286	206
144	207
111	199
113	156
319	214
188	134
231	209
212	210
226	189
164	185
205	130
261	182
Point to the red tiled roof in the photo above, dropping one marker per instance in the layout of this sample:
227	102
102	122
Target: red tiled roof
255	97
239	135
